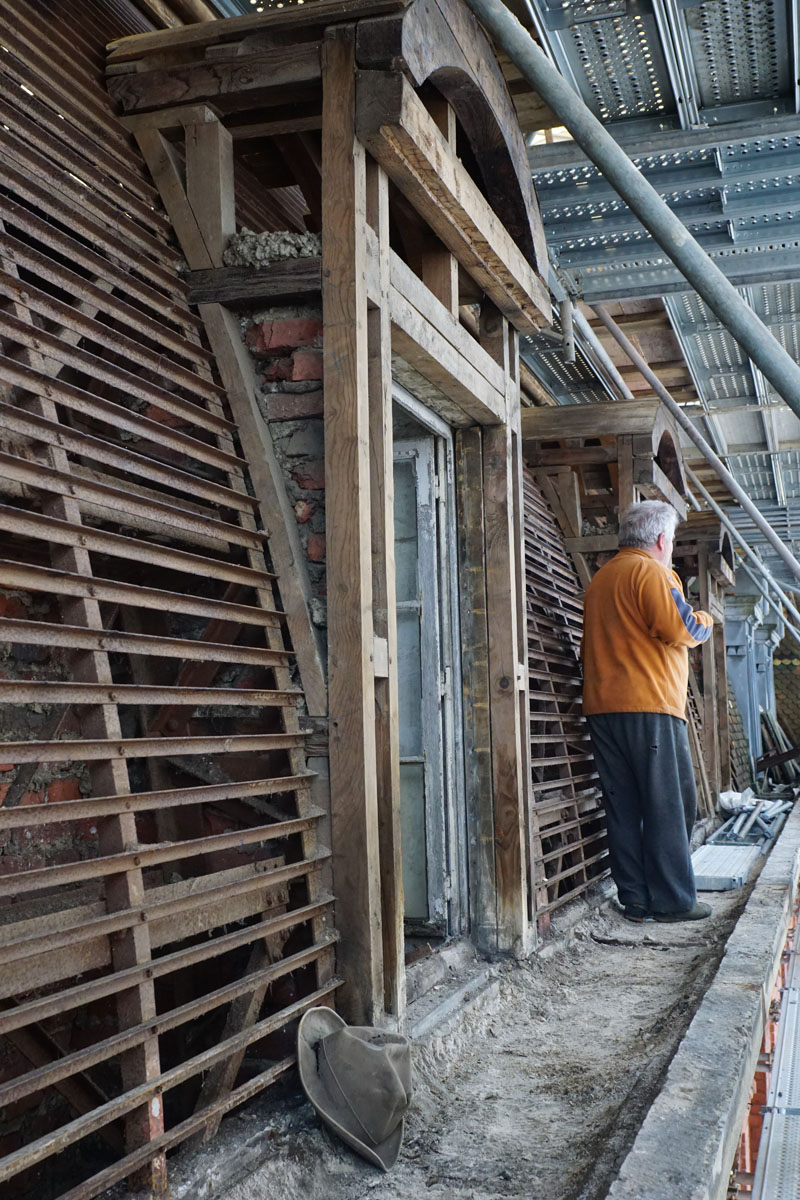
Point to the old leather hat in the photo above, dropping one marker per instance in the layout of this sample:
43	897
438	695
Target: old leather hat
359	1081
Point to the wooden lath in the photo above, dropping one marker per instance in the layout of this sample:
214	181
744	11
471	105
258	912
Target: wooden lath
568	848
175	871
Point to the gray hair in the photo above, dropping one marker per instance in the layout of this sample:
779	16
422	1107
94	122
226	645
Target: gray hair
641	524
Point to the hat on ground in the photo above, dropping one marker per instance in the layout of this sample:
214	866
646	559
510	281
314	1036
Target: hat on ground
359	1081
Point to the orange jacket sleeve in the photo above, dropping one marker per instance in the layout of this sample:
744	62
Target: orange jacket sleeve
668	615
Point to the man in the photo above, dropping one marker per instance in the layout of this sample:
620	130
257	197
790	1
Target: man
637	631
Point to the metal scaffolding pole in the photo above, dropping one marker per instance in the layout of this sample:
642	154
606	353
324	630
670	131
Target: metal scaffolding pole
643	200
685	423
749	552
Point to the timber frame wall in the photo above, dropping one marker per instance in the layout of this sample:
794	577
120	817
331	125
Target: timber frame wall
173	884
163	900
410	241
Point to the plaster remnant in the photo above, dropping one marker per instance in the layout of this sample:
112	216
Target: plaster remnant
249	249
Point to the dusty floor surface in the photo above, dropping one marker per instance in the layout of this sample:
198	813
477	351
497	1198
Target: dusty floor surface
538	1092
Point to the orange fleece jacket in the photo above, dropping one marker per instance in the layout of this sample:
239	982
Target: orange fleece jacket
637	628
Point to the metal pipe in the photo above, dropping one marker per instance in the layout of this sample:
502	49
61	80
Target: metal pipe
592	340
748	825
643	200
567	331
744	544
708	453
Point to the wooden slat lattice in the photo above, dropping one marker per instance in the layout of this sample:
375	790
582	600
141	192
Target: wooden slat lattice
164	917
568	844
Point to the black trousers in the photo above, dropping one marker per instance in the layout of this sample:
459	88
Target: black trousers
646	775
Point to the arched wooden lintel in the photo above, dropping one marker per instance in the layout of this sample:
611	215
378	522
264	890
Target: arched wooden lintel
443	44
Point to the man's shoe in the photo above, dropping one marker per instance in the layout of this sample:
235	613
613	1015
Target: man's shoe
636	913
698	913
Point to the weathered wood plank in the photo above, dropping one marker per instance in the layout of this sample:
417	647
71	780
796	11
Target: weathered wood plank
475	675
282	282
354	798
322	12
589	420
231	84
209	184
403	137
384	607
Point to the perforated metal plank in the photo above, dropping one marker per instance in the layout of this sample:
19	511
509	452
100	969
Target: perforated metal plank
778	1167
610	50
723	868
784	1091
739	50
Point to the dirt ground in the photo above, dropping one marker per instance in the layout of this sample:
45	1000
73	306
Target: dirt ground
537	1092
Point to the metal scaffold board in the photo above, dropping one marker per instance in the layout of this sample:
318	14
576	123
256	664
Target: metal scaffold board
778	1168
723	868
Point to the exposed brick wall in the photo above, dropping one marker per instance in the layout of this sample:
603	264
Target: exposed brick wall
786	667
286	343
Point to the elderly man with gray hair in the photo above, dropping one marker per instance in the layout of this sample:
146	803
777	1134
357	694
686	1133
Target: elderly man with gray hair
637	631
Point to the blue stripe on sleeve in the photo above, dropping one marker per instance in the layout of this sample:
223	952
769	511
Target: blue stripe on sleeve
700	633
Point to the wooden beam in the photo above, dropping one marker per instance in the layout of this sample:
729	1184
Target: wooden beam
285	281
435	343
170	118
354	794
322	12
654	483
503	585
475	676
233	85
578	456
384	606
588	420
209	184
421	344
393	124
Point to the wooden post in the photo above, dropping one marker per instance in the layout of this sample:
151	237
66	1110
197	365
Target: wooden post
387	720
510	789
475	675
439	266
351	682
519	598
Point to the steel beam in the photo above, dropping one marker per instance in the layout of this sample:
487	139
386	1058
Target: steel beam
639	139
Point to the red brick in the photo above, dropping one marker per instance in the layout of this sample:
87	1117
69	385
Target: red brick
310	475
316	547
277	369
290	406
303	511
292	332
306	364
254	338
32	798
15	608
59	790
